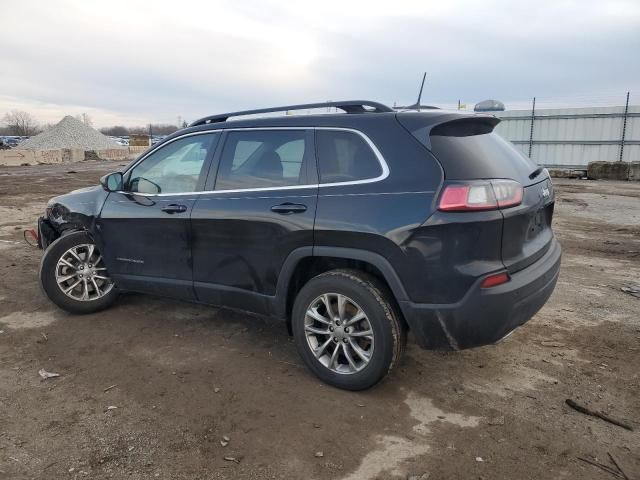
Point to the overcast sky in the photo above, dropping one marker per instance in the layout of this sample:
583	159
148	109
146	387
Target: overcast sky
133	62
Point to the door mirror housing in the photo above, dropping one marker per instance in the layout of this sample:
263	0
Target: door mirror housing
112	182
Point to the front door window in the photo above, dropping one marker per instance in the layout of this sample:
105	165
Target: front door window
174	168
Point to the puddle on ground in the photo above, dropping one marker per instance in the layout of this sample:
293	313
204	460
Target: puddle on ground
389	453
392	450
423	410
19	320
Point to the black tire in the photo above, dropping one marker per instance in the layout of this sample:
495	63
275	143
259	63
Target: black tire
48	282
376	301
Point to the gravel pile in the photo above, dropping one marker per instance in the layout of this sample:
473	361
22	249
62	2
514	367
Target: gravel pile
69	133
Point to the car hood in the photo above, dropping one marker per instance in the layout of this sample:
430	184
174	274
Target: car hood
75	194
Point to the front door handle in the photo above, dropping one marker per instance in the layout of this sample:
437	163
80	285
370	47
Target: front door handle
174	208
289	208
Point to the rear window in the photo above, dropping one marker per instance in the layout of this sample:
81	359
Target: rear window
486	155
345	157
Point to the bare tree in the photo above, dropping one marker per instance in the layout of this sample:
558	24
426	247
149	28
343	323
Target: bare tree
138	130
156	129
20	123
116	131
86	119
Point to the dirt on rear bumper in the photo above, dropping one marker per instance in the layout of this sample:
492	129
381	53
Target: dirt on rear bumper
484	316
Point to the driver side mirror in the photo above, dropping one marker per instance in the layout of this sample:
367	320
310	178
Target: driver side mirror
112	182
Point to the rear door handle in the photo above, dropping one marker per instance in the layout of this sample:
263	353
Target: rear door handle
289	208
174	208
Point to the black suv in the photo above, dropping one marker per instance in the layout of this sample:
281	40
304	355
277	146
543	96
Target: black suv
353	227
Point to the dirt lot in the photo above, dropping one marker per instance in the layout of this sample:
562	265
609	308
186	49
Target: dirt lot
186	375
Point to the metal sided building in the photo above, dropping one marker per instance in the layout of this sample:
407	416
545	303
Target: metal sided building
573	137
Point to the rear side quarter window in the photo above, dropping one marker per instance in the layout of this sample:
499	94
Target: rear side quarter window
345	156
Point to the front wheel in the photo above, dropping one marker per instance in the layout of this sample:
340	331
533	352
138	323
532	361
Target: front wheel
346	329
74	277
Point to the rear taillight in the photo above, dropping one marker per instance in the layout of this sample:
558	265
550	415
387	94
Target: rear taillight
508	193
495	280
480	195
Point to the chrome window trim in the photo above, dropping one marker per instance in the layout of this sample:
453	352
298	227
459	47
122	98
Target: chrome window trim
376	152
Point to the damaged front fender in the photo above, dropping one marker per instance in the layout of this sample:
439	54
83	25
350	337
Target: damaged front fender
77	210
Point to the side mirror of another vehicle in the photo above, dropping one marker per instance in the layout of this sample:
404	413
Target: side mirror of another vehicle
112	182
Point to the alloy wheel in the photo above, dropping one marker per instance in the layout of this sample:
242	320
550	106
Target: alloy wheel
81	274
339	333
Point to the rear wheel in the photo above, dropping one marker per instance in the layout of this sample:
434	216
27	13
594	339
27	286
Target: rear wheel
346	329
74	277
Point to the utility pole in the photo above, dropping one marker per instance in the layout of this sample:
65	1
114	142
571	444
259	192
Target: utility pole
624	127
533	118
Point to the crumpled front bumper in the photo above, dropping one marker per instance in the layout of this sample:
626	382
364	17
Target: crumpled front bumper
46	233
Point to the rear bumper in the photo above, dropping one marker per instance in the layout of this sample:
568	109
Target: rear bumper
484	316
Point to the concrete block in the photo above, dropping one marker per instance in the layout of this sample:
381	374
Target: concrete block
634	171
567	173
608	171
14	157
48	156
72	155
111	154
114	154
137	150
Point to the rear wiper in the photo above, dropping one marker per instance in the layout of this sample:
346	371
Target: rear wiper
535	173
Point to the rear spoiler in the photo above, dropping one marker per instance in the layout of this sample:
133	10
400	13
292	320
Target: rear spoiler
424	126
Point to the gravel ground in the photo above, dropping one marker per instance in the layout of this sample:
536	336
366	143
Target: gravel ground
69	133
183	377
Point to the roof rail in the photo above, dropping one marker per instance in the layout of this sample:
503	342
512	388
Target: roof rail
348	106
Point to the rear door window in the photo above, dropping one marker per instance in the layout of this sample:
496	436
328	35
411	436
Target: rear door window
345	157
265	159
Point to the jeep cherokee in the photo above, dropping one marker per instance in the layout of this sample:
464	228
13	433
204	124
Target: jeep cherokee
352	227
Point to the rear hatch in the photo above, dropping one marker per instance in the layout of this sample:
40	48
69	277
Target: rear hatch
468	149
